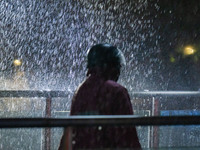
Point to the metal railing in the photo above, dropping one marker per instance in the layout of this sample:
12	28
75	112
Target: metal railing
32	94
29	93
93	120
167	94
81	121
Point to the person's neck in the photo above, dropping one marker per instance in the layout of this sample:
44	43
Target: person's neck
103	74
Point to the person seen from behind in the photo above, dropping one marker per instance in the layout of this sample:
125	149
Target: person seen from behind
100	94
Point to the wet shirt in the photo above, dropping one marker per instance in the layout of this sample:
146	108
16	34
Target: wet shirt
99	97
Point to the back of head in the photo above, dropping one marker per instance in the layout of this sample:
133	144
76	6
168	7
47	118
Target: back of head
105	56
105	60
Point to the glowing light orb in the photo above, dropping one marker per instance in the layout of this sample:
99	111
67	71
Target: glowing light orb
189	50
172	59
17	62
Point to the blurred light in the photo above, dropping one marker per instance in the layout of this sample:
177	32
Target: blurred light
172	59
17	62
189	50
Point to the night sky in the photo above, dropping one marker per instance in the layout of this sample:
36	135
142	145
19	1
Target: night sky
179	27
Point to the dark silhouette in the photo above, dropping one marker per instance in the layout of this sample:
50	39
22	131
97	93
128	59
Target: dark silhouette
99	94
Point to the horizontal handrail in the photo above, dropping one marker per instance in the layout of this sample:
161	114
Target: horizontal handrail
118	120
41	93
167	93
33	93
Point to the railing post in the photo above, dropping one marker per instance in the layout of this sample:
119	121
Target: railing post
47	134
155	135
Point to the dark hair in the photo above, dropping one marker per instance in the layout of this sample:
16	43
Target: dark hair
104	56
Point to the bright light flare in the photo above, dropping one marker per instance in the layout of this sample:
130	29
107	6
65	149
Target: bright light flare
189	51
17	62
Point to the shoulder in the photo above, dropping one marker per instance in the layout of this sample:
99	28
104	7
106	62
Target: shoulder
114	85
115	88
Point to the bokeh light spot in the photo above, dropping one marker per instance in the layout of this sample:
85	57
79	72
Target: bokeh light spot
17	62
189	51
172	59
